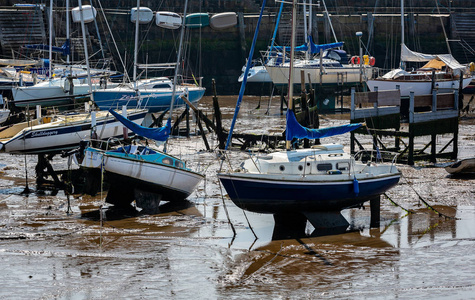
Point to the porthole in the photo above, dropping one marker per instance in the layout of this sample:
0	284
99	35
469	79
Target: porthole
300	167
167	161
282	168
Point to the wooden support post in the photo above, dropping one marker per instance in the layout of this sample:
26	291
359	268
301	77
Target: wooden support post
375	207
217	114
202	132
207	121
410	157
433	151
282	99
187	111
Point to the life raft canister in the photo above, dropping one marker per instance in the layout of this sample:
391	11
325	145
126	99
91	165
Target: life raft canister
355	60
366	59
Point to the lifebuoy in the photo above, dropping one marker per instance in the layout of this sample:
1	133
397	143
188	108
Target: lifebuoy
355	60
372	61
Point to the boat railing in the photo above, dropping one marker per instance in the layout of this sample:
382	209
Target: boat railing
369	156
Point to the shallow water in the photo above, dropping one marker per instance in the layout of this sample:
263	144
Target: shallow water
189	250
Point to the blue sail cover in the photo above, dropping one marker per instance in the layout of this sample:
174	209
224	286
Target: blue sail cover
295	130
65	49
313	47
159	134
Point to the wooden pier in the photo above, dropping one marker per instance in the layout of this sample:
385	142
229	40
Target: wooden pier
426	115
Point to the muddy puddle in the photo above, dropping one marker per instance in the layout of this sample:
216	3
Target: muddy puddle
54	246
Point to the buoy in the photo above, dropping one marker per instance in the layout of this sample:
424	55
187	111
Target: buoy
356	186
472	67
355	60
366	59
372	61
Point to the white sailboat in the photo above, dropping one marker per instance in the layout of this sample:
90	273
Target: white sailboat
154	94
325	64
307	181
62	132
441	72
72	82
141	167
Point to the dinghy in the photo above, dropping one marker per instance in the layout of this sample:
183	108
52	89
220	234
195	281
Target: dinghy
223	20
463	166
167	19
197	20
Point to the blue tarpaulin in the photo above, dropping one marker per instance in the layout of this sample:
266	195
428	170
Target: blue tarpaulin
313	47
65	49
159	134
295	130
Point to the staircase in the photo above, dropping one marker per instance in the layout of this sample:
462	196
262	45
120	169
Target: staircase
463	31
19	27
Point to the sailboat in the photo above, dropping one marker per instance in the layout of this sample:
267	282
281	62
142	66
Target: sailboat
141	167
154	94
325	64
441	72
54	134
4	112
71	83
320	179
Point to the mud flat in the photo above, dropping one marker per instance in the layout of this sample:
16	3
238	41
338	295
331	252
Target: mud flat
188	251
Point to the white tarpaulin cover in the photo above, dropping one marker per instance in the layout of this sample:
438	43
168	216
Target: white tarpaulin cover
448	59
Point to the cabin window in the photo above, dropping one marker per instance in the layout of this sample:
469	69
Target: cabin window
161	86
343	166
179	164
324	167
282	168
167	161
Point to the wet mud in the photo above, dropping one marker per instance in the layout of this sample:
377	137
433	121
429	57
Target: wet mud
59	246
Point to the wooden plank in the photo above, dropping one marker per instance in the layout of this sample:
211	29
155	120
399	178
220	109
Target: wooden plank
366	97
443	101
374	112
434	116
389	98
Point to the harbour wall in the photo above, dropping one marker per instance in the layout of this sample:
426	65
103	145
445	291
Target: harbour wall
220	55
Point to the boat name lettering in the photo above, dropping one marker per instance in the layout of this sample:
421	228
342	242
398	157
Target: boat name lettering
44	133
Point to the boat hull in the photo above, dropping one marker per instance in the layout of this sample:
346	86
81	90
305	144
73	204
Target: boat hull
256	74
272	195
464	166
419	87
330	76
60	137
144	172
4	113
153	101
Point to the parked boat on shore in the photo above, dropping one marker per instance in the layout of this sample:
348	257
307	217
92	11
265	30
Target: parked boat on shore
462	167
62	132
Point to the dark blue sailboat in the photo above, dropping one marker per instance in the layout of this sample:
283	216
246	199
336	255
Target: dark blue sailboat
307	181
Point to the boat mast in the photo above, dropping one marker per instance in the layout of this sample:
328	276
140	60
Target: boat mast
291	64
402	32
136	44
178	58
67	32
244	79
86	54
50	38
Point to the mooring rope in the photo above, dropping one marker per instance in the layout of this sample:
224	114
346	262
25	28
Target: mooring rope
430	207
398	205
